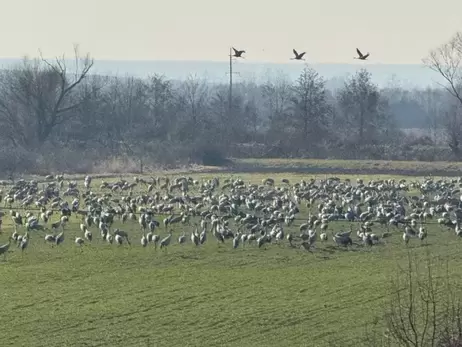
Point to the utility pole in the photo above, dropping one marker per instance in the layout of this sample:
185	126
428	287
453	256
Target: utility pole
230	101
231	72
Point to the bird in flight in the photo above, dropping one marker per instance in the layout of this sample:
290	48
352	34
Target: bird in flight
360	55
298	56
238	54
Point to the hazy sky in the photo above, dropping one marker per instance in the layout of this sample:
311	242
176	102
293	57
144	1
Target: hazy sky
394	31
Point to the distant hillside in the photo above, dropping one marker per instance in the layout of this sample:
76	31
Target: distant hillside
407	75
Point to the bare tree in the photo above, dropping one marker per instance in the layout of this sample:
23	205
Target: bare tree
40	95
193	99
161	103
365	110
220	109
433	103
63	110
277	92
15	160
309	108
252	118
446	60
129	114
424	308
452	122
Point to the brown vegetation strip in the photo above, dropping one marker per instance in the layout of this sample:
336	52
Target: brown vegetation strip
339	170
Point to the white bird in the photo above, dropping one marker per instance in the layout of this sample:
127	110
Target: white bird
60	238
458	230
44	217
194	237
280	234
219	236
79	241
118	239
104	234
406	237
152	225
24	242
50	238
422	233
290	238
203	224
4	248
166	240
261	240
144	241
122	234
244	238
182	239
88	235
203	236
312	237
155	240
236	241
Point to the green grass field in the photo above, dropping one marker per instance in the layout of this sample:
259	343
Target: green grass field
212	295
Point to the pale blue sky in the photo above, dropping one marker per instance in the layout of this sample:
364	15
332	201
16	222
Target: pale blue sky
393	31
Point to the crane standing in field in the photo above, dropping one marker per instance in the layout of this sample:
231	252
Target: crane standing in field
259	212
166	240
4	248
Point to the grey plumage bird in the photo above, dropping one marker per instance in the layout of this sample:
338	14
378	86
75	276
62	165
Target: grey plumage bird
60	238
195	237
166	240
237	53
144	241
182	239
342	239
298	56
236	240
360	55
4	248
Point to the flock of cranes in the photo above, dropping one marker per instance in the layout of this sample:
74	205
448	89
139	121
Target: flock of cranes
248	214
220	228
298	56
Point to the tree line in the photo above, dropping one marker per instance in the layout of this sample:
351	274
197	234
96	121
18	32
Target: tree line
60	117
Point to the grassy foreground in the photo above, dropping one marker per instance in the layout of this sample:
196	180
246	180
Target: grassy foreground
213	295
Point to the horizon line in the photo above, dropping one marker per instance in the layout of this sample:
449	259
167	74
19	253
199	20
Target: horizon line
369	63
